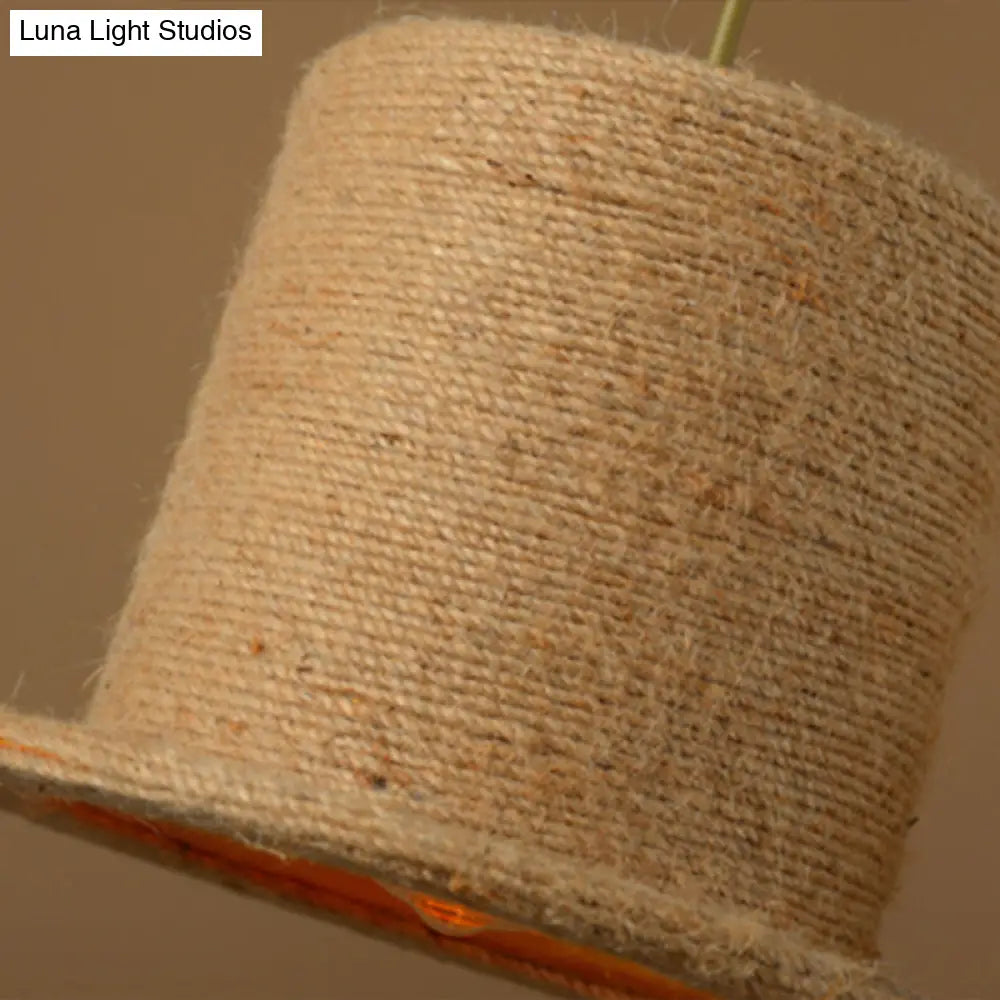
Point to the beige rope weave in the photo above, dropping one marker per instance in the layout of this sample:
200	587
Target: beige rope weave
581	505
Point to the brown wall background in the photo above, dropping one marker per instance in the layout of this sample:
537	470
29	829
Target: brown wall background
129	186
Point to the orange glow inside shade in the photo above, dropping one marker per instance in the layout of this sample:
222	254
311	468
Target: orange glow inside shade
460	918
6	744
437	923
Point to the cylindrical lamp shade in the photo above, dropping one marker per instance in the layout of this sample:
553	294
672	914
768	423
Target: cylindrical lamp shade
577	515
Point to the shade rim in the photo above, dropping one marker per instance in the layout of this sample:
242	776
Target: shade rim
375	833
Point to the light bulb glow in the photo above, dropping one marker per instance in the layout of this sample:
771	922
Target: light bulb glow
446	917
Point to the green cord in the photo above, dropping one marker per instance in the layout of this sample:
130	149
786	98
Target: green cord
727	34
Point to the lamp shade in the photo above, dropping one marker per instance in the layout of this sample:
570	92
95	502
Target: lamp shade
574	524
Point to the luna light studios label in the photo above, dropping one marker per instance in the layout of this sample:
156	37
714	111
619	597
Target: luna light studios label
135	32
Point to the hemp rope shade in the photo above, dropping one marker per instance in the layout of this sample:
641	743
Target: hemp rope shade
574	523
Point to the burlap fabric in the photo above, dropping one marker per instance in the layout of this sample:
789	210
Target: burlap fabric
579	510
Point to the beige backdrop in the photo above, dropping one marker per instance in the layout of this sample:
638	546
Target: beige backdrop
129	185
